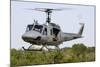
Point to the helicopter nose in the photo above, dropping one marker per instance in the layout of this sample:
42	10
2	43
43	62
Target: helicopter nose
30	35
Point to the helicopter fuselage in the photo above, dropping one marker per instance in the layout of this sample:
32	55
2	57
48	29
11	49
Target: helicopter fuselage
50	34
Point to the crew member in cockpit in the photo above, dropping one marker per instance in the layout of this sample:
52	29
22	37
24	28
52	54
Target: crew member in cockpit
55	34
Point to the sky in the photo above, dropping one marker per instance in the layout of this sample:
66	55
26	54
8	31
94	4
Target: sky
68	18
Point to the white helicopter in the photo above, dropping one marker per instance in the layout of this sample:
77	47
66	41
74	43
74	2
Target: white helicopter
48	34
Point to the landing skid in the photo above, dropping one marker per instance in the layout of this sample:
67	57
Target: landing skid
31	49
41	49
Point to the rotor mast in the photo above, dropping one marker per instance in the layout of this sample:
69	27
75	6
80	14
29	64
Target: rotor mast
48	12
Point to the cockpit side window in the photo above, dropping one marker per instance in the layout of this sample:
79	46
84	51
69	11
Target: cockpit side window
38	28
45	31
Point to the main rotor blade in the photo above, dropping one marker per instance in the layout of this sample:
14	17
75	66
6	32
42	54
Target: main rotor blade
38	10
50	9
45	9
54	8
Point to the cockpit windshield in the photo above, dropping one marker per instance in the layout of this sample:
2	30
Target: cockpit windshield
29	27
38	28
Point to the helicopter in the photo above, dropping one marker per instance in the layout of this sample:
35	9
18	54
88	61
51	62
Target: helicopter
47	34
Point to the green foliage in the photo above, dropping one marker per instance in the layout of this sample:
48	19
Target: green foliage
79	49
78	53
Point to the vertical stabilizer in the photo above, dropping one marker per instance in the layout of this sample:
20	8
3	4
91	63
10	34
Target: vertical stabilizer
81	29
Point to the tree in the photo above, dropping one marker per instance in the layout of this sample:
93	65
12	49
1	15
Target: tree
79	49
